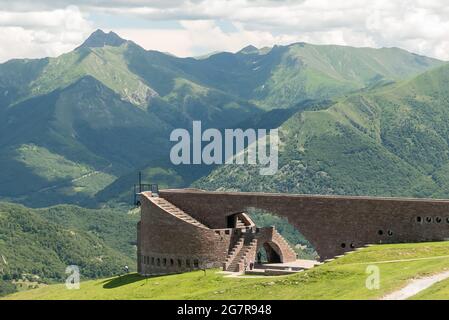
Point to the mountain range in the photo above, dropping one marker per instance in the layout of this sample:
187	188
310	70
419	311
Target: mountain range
78	127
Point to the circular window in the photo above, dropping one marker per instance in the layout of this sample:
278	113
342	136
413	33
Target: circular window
380	232
438	220
429	219
390	233
343	245
418	219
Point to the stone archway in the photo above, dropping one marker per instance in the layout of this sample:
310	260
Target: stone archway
291	234
268	252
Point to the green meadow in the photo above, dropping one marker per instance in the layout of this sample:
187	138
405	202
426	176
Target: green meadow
343	278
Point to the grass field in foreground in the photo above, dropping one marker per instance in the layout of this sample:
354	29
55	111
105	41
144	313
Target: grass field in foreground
343	278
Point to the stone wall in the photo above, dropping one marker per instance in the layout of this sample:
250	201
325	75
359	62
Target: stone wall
332	224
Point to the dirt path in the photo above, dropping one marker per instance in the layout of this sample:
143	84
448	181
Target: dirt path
416	286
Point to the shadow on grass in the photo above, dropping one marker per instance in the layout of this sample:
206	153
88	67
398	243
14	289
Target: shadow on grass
124	280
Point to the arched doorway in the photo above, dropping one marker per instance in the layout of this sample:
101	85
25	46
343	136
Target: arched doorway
267	254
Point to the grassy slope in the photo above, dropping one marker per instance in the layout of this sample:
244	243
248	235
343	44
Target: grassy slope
115	226
326	71
391	141
43	242
15	75
105	64
343	278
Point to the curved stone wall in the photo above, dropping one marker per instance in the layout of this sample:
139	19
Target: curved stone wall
167	244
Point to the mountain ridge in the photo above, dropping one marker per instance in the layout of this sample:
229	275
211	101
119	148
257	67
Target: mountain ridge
77	127
100	39
390	141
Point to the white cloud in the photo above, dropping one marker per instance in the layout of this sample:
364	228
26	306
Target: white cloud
35	34
176	42
199	37
420	26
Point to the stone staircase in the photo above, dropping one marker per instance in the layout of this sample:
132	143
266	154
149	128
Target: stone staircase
240	223
175	211
232	253
244	248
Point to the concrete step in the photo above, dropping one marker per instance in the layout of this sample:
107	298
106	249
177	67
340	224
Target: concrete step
280	267
274	272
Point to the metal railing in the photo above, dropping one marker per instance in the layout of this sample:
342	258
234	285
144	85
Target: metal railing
142	187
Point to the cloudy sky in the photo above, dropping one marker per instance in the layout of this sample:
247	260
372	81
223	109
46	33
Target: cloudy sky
33	28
